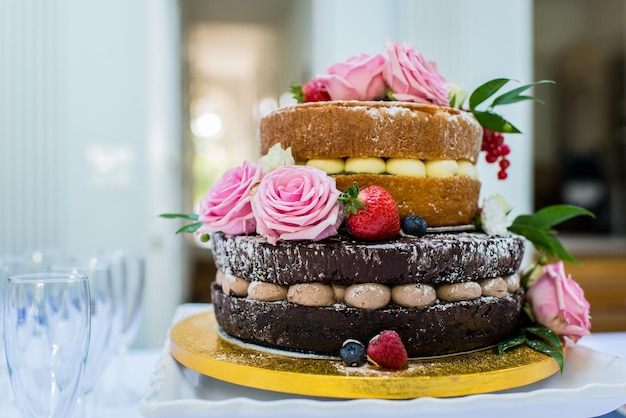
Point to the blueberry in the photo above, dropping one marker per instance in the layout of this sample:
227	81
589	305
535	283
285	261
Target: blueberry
352	353
414	225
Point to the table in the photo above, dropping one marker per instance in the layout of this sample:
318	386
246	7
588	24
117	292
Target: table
143	361
138	362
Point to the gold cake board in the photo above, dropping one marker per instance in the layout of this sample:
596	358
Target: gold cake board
196	343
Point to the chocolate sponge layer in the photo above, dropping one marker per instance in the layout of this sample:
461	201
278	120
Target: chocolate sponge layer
440	329
432	259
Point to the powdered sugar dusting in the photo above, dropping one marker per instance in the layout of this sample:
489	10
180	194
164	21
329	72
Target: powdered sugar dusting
432	259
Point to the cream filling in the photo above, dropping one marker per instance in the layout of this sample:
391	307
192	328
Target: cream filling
396	166
368	295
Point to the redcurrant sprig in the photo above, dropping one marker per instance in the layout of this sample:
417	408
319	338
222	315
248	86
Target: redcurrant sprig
496	151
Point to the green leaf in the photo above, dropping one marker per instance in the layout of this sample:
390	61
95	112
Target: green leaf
514	96
546	334
553	215
494	122
189	216
296	90
528	310
537	228
544	347
190	228
543	241
485	91
513	341
350	201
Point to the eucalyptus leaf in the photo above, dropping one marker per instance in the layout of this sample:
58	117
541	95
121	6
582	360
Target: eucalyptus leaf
546	334
544	347
514	96
485	91
515	340
494	122
190	228
189	216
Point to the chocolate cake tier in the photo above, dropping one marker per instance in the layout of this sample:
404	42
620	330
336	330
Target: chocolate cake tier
432	259
436	330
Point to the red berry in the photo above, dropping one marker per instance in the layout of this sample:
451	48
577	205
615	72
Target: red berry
387	350
495	148
371	213
315	91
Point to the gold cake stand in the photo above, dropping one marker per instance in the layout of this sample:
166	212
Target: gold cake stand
197	344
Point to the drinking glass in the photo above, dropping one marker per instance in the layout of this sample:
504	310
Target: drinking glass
98	273
128	273
47	326
9	265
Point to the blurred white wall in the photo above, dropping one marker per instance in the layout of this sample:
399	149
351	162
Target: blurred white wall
90	104
90	136
471	41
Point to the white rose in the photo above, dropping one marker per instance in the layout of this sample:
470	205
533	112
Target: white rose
494	215
276	157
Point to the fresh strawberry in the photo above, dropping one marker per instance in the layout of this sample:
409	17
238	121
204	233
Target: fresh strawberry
387	350
371	213
314	91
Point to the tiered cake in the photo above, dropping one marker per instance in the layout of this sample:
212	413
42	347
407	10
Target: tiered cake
360	226
443	292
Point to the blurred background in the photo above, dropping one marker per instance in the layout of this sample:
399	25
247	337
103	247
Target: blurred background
113	112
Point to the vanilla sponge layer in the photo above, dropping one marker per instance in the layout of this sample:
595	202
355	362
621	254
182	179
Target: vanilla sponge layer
341	129
441	201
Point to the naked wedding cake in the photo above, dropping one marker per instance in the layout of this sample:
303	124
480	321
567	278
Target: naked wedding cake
362	220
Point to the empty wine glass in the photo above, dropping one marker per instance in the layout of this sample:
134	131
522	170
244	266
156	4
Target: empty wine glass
99	276
7	268
9	265
47	326
128	273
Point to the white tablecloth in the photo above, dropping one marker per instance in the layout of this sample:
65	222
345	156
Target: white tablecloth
139	365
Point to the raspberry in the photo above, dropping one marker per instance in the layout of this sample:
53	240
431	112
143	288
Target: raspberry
315	91
387	350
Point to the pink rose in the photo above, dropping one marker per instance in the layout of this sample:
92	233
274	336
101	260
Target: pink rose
297	203
358	78
411	78
226	206
559	303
